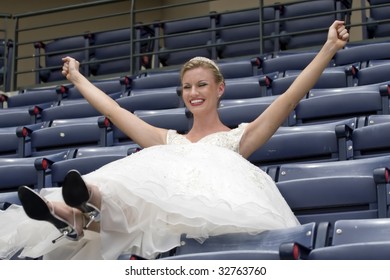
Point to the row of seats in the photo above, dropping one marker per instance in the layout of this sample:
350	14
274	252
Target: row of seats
217	35
343	208
75	122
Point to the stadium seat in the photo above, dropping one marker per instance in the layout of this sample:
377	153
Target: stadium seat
186	38
357	239
177	118
373	139
9	143
239	31
85	160
111	50
265	245
332	191
59	135
15	172
161	79
52	53
15	117
362	55
339	104
311	143
376	19
320	13
277	85
29	97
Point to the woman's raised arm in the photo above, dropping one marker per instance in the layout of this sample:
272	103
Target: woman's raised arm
139	131
262	128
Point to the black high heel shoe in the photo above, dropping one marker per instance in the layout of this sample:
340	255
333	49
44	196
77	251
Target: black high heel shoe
36	207
76	194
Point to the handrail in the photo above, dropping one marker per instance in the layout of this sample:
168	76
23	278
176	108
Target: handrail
22	41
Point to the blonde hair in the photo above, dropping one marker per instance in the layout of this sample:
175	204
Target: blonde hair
205	62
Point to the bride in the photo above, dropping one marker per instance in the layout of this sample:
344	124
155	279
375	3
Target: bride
199	184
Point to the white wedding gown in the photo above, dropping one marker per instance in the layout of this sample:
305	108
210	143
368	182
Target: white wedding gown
152	197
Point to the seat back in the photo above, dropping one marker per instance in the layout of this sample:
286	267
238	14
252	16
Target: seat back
378	11
54	51
192	33
239	33
331	191
320	13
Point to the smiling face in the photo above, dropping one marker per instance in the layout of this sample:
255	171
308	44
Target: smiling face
202	85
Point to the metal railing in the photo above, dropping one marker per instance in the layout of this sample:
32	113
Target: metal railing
37	29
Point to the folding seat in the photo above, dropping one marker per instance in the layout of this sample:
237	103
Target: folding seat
373	74
297	33
358	239
177	118
286	61
241	88
376	20
239	67
153	100
85	160
53	51
267	245
153	80
312	143
186	38
337	190
363	55
9	142
15	172
30	97
112	50
239	31
277	85
373	139
15	117
59	135
340	103
73	105
233	112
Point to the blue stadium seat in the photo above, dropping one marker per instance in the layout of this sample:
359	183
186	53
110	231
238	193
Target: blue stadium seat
29	97
338	104
15	172
320	13
53	51
277	85
161	79
239	33
86	160
59	135
357	239
9	142
265	245
332	191
376	19
362	55
373	139
15	117
311	143
111	50
177	118
191	34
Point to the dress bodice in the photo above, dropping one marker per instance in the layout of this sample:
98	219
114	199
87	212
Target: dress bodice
227	139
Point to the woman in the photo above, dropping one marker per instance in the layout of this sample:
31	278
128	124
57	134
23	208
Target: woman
199	184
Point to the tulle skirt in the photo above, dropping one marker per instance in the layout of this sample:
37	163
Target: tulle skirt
151	198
